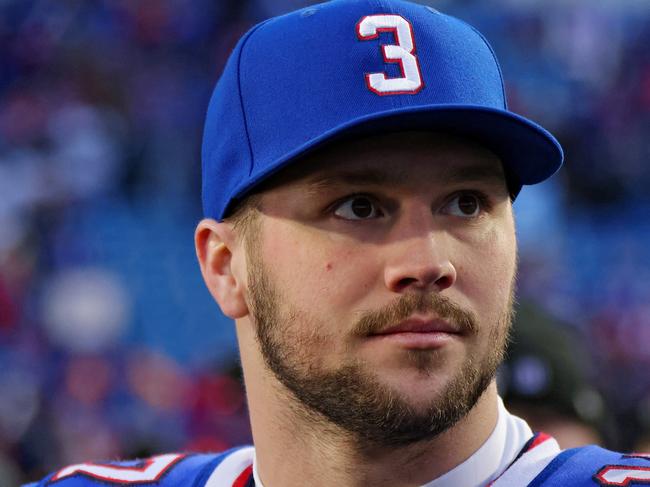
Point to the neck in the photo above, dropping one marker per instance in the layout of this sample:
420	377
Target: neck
290	448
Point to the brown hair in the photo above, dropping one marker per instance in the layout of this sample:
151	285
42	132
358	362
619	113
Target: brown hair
245	217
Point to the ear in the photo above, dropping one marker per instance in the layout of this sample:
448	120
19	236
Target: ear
215	243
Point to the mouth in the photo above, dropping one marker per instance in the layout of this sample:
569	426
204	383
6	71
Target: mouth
418	333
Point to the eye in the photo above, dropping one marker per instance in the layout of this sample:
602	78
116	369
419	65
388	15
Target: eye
358	208
465	205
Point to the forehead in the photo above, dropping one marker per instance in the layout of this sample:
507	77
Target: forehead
402	158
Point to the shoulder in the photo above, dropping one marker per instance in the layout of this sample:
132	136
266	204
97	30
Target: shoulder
595	466
541	463
167	470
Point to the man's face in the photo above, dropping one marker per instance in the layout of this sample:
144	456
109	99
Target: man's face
380	281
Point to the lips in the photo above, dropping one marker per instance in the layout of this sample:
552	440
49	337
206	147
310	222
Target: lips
418	333
420	325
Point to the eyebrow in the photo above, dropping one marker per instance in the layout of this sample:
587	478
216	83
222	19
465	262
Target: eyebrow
372	177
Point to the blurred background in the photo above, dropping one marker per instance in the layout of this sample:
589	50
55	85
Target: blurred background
110	345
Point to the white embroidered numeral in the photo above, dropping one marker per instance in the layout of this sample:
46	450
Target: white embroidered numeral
149	470
403	53
623	476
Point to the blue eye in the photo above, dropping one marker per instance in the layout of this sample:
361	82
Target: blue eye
358	208
464	205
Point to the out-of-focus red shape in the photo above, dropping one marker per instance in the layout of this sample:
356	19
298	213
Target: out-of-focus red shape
206	444
8	311
219	394
159	381
88	379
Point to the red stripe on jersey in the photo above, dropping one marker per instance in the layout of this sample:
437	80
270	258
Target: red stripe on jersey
244	477
539	439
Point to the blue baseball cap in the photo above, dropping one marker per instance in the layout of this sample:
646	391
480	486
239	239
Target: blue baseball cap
355	67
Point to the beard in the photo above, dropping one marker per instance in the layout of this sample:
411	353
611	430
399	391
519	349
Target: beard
351	397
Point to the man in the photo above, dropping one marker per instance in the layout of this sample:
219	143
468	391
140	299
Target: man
359	166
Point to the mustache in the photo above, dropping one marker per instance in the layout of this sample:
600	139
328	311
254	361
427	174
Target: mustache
373	322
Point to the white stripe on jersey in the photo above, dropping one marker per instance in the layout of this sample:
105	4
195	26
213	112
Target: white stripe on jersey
530	465
233	465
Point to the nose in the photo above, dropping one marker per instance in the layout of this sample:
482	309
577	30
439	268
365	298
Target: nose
419	263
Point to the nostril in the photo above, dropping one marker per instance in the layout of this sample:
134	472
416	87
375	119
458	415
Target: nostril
444	282
405	282
438	281
418	270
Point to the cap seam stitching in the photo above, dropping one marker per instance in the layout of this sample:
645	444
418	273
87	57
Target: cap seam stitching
241	97
496	62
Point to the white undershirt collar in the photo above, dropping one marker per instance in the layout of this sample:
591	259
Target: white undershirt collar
495	455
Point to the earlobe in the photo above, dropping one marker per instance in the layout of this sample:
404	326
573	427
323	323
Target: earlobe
215	244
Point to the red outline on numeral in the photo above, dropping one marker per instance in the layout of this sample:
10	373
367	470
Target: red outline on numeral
388	60
600	476
141	468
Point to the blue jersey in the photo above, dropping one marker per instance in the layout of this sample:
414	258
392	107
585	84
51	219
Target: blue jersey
592	465
233	468
542	463
539	463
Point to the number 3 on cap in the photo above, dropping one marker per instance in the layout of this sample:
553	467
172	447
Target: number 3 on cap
402	53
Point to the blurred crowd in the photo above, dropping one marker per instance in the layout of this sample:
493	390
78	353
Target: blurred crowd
110	345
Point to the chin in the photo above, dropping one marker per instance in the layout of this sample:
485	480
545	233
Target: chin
418	389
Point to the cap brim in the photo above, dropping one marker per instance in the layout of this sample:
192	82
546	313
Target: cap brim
528	152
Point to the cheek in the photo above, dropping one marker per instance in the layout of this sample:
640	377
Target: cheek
323	272
486	269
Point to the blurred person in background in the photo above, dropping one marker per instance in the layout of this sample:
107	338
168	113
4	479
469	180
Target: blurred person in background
545	379
358	421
